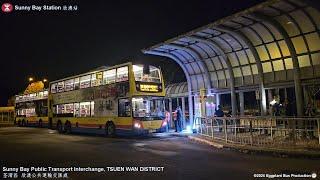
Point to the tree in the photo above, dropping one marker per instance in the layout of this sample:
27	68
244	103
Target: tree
34	87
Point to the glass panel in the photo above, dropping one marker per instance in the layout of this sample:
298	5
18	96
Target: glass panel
237	72
262	53
313	41
76	83
60	109
284	48
288	63
54	88
223	62
93	80
122	74
252	36
254	69
69	85
221	75
246	71
213	76
242	57
273	50
76	109
60	86
299	45
109	76
124	108
68	109
146	107
289	26
233	59
217	63
153	76
315	14
264	34
96	79
209	64
84	108
251	58
315	58
304	61
267	67
92	108
85	81
277	65
303	21
226	72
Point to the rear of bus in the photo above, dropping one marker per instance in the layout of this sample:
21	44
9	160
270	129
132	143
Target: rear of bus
148	105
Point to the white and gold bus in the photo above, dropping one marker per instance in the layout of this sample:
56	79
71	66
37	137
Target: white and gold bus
123	99
32	109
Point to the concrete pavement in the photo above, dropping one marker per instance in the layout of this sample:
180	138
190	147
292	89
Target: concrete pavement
179	157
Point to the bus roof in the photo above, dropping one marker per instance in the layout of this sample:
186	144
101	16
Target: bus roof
103	68
7	109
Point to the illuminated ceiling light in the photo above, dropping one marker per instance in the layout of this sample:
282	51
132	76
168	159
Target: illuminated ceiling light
289	22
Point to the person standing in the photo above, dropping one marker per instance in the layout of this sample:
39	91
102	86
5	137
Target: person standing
178	119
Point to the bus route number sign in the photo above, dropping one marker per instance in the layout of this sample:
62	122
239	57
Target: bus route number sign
149	88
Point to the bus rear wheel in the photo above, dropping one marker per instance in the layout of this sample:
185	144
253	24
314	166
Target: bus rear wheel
59	127
67	127
23	124
110	129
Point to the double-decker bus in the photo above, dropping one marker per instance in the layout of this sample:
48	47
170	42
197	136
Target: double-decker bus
123	99
32	109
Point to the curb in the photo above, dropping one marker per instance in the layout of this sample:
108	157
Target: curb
6	125
252	150
217	145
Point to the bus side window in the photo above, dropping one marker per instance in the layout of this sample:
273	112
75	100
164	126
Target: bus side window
124	108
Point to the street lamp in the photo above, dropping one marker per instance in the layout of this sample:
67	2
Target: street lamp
30	79
45	80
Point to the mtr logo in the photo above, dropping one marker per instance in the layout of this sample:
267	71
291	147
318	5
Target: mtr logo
6	7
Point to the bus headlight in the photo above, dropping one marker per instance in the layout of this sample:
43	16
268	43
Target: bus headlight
137	125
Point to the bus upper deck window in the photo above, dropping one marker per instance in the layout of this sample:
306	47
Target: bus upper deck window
109	76
85	81
76	83
54	88
122	74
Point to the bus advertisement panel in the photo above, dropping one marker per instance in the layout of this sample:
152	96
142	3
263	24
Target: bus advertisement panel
117	100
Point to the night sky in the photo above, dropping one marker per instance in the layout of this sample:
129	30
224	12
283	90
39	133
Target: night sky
58	44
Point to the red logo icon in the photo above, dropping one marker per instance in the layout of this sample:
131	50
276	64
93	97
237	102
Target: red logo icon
7	7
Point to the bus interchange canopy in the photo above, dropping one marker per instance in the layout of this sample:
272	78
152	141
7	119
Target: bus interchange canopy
271	44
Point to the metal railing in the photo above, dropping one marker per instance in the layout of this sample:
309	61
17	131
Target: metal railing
262	131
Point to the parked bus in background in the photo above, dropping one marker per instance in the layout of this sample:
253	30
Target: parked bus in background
32	109
123	99
6	116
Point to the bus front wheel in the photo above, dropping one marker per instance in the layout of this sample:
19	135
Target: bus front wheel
40	123
110	129
59	127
